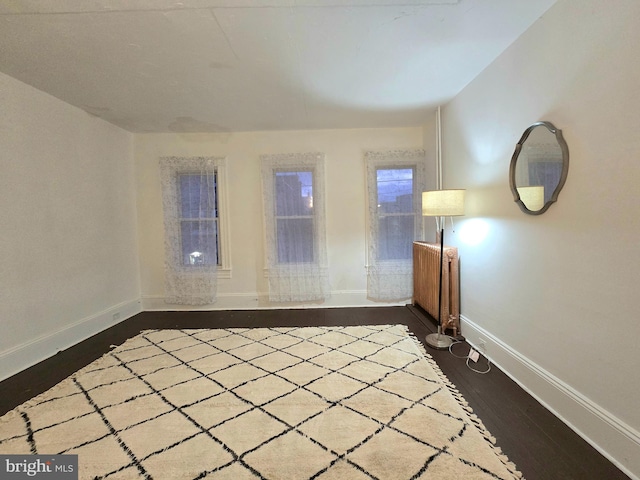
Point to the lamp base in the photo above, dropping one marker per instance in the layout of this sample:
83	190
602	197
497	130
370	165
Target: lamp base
439	341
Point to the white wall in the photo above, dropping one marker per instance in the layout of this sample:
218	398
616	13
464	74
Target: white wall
555	295
68	258
345	206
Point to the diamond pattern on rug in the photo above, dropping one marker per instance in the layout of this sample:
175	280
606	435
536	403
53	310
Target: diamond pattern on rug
366	371
106	455
339	429
237	375
66	435
249	431
191	458
342	470
333	339
335	386
297	457
272	362
306	350
217	410
334	360
168	377
428	425
303	373
59	410
139	410
213	363
297	406
251	351
321	403
191	391
404	460
377	404
264	390
280	342
119	392
158	433
407	386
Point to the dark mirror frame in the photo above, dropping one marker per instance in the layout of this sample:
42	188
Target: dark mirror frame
565	167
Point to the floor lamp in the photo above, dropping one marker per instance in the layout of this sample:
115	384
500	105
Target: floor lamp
441	203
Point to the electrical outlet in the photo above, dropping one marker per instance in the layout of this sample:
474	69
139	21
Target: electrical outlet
116	316
474	355
482	344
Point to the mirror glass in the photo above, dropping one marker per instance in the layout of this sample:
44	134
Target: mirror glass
538	168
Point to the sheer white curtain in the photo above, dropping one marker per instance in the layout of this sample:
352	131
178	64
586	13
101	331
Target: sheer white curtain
294	218
191	229
395	180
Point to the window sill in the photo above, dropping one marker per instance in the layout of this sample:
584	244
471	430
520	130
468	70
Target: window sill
224	272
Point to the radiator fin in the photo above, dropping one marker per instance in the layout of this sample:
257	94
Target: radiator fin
426	275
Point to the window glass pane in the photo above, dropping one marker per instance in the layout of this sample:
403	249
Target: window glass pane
294	216
395	213
197	195
295	240
395	237
294	193
395	190
198	201
199	239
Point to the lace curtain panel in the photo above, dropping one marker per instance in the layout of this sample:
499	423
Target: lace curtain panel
191	229
395	180
296	262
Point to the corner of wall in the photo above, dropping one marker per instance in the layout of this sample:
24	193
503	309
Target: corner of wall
602	430
29	353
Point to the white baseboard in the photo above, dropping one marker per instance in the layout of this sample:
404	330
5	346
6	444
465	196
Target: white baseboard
260	301
612	437
25	355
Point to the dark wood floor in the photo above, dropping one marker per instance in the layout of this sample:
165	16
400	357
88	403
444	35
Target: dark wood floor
539	444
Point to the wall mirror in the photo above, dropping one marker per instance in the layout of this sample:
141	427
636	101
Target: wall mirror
539	168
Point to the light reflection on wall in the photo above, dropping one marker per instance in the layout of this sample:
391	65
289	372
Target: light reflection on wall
474	231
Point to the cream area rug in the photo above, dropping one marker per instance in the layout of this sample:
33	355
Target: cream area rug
320	403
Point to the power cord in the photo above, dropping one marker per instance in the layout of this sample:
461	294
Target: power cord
455	341
468	358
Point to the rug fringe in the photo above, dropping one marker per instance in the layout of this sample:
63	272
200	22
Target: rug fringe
17	411
473	418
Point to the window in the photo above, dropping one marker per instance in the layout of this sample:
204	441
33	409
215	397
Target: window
195	242
395	180
296	265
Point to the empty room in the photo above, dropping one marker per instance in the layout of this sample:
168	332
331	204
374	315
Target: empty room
332	239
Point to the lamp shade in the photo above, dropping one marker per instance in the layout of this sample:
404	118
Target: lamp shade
532	197
443	203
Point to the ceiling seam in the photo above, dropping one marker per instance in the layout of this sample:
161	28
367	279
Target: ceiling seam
224	34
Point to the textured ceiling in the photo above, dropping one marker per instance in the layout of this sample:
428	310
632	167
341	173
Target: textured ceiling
242	65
